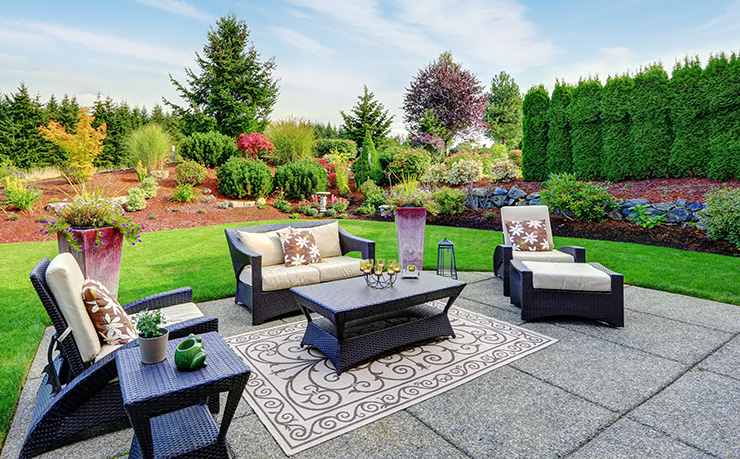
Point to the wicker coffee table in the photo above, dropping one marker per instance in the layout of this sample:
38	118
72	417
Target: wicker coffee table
166	406
358	322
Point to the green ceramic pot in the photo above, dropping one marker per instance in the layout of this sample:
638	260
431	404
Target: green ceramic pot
190	354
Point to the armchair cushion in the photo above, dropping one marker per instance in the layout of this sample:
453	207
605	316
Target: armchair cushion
528	235
64	278
266	244
552	256
299	248
108	317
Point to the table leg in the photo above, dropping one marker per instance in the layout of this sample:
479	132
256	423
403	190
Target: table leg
143	430
232	401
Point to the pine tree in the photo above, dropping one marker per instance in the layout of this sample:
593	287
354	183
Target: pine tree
29	148
368	116
504	112
234	92
367	166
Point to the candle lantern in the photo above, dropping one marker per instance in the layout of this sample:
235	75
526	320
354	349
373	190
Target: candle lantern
446	259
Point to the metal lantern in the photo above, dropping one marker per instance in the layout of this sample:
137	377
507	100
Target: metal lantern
446	259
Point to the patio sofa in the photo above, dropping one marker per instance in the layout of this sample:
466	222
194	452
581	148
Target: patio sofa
263	281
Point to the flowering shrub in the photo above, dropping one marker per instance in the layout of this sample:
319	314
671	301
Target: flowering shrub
338	203
254	145
91	208
486	159
331	174
436	174
505	170
410	164
304	205
435	145
466	170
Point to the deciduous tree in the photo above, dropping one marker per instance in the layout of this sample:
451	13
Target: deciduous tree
235	91
456	96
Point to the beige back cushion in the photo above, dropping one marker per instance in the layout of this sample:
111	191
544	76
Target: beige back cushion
266	244
327	238
513	213
65	280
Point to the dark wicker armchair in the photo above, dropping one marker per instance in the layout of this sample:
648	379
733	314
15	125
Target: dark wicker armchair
267	305
78	399
504	253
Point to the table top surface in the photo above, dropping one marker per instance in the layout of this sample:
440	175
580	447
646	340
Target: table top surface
354	293
140	382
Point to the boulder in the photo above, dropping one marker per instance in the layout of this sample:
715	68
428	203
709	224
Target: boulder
615	215
498	200
664	207
499	191
635	202
516	194
694	206
678	215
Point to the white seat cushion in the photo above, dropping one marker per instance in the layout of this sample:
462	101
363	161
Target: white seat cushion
551	256
65	280
327	238
570	276
335	268
278	277
266	244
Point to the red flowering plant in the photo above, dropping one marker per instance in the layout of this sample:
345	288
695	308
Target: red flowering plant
255	145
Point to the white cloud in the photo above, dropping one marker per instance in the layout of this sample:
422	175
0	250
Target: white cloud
302	42
178	7
110	44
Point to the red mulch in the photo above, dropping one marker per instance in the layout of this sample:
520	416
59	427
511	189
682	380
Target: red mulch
162	213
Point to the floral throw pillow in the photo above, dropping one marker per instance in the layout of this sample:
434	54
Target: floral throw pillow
299	248
109	318
528	235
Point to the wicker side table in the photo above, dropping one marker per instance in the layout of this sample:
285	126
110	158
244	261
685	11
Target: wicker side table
167	407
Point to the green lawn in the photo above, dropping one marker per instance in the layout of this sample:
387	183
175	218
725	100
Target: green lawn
199	257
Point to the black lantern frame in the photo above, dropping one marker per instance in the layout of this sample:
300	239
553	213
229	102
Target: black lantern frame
446	265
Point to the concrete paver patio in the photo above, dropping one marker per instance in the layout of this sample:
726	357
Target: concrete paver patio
665	385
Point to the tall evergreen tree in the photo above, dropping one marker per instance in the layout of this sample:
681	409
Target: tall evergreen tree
559	147
616	104
723	95
29	148
651	124
689	110
235	91
368	116
534	137
584	115
69	112
6	129
504	111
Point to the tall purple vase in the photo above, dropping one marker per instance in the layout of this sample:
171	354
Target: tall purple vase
102	263
410	228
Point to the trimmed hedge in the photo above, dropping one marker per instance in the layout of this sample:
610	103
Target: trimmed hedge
243	177
690	149
616	128
584	114
559	147
651	125
723	97
534	133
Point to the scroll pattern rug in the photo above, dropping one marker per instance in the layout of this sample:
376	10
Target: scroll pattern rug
300	399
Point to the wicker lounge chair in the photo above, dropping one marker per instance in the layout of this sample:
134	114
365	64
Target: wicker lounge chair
248	267
80	399
504	253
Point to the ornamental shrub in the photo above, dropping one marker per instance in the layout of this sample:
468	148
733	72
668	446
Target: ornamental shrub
313	212
584	116
433	144
559	149
338	203
346	147
534	133
136	200
617	163
17	194
449	200
722	214
149	187
367	166
254	145
374	196
242	177
191	172
651	124
435	174
330	212
149	144
504	170
575	199
410	164
292	138
465	171
301	179
212	149
184	192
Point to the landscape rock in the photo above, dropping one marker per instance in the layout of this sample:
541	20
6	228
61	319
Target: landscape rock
615	215
499	191
159	175
678	215
695	206
635	202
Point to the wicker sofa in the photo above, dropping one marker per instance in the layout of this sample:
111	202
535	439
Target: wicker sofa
263	282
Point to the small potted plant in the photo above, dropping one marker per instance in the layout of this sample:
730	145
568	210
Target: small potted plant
152	338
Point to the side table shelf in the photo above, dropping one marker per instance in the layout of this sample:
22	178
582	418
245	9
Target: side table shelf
167	407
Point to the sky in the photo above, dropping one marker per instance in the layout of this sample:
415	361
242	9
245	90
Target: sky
327	50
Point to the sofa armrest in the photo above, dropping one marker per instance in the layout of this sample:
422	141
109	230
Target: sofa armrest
161	300
578	253
352	243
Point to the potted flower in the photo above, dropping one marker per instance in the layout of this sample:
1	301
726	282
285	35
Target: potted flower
152	338
410	204
92	227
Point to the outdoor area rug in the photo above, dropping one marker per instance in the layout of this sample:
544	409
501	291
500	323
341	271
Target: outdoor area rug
300	399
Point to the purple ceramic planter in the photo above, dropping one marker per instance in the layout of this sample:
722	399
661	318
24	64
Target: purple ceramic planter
410	228
102	263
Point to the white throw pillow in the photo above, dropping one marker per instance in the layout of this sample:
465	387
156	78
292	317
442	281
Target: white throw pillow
327	238
266	244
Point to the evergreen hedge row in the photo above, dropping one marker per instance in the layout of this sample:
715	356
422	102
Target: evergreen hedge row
641	126
534	134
